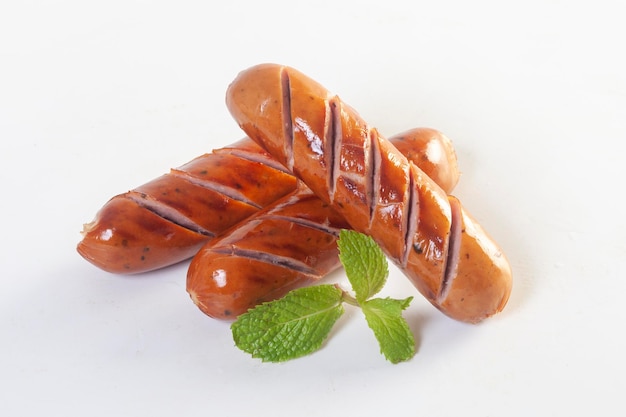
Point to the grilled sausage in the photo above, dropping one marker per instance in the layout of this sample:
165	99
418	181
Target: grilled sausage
168	219
293	242
447	256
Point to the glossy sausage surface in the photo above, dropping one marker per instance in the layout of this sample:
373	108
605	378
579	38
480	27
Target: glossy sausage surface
293	242
168	219
346	163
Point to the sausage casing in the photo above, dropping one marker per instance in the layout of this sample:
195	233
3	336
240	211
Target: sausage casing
347	164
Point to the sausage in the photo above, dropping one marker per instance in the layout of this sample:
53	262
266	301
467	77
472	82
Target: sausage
443	251
293	242
168	219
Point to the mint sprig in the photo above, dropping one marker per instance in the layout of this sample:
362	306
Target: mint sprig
300	322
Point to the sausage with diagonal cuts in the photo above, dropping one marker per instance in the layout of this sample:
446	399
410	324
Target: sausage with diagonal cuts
168	219
445	253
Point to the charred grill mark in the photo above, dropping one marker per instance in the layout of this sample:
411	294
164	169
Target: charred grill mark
254	157
269	258
226	191
287	117
167	213
306	223
454	249
411	215
332	140
373	174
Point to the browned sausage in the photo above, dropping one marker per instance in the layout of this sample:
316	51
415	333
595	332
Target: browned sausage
168	219
347	164
293	242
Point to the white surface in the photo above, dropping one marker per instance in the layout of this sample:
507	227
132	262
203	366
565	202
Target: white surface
97	99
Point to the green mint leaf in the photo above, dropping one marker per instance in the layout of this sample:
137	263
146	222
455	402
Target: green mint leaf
364	262
291	327
384	317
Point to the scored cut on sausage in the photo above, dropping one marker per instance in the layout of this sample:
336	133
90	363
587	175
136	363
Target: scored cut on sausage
293	242
448	257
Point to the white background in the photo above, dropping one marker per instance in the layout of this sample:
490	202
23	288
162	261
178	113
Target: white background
100	97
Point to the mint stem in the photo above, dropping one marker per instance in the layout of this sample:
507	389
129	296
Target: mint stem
346	297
